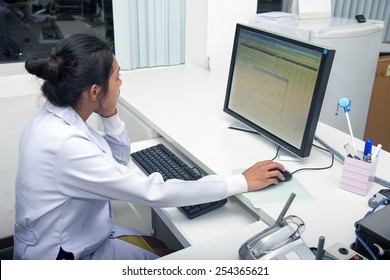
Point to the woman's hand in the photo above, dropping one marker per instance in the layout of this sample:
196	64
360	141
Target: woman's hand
262	174
107	113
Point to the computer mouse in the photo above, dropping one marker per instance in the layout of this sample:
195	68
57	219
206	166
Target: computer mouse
287	175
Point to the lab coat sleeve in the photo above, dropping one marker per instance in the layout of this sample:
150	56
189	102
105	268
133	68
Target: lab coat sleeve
83	170
117	138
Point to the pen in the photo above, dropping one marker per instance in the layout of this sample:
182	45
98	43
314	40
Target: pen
367	147
350	131
377	150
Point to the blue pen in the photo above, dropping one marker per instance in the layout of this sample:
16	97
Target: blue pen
368	147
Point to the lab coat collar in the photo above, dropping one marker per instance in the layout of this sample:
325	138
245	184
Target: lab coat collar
67	113
71	117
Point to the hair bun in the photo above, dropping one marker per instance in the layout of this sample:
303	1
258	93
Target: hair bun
47	68
53	68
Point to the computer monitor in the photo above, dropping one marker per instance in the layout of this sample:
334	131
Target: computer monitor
276	86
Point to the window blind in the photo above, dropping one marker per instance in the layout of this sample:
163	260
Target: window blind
149	33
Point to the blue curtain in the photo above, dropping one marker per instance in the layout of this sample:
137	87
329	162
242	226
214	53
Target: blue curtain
149	33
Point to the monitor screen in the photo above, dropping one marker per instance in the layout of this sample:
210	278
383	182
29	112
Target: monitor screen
276	86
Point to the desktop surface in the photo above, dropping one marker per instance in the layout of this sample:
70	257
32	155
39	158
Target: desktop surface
187	112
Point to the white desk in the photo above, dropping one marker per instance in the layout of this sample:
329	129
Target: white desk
214	225
184	105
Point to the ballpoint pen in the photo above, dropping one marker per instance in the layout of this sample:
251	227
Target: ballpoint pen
346	103
367	147
377	150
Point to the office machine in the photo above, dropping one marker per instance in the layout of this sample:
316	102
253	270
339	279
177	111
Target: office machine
341	252
374	231
383	196
281	241
276	86
357	48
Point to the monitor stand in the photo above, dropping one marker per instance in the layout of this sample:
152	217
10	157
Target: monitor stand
241	126
283	154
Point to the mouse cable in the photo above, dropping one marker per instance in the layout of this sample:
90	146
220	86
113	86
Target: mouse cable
308	168
317	168
377	180
277	152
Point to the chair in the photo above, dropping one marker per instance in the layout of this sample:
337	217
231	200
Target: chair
7	248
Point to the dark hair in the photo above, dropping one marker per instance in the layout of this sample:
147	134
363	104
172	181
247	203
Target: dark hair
77	62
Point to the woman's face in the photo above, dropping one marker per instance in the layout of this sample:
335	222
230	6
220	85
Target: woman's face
109	101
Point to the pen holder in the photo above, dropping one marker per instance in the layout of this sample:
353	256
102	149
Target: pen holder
358	175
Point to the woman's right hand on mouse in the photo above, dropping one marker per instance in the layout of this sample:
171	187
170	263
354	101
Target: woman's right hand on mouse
261	174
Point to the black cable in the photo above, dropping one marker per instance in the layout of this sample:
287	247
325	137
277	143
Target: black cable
317	168
309	168
277	153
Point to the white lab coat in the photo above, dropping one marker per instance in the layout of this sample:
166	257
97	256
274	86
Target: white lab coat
67	175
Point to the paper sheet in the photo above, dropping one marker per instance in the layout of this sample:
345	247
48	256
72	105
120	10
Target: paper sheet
277	195
276	17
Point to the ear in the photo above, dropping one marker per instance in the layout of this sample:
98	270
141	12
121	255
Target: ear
94	91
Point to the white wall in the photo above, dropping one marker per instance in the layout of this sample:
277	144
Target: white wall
210	27
19	99
196	32
223	16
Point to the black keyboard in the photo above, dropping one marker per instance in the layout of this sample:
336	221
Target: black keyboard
160	159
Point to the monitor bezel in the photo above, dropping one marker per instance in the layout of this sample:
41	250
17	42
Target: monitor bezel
318	96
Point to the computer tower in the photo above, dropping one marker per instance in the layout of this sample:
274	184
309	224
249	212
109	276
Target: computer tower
374	230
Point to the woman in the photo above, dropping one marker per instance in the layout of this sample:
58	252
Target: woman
68	172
